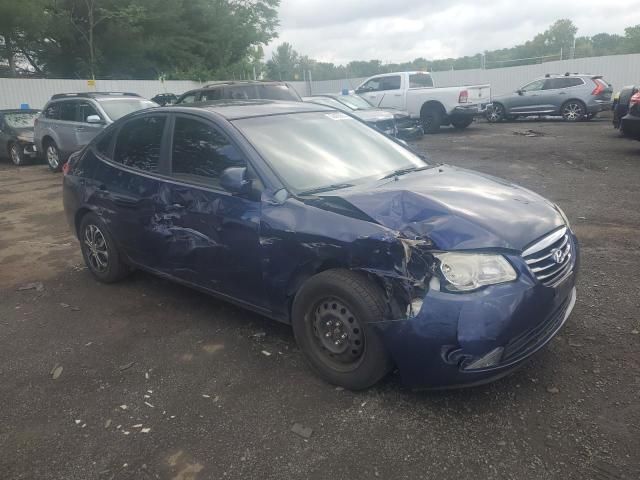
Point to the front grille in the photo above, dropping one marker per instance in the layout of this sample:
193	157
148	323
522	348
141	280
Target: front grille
530	339
551	259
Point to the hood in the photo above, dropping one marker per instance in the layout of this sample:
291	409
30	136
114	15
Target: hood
373	115
26	133
457	209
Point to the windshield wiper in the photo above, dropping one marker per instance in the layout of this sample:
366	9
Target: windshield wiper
328	188
403	171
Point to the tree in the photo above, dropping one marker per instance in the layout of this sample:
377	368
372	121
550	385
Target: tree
20	24
283	63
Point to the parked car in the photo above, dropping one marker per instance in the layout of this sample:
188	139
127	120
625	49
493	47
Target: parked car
308	216
70	120
621	104
163	99
630	124
415	93
16	135
572	96
241	90
397	124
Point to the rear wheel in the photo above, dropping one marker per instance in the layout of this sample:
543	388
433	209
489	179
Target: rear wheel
461	123
52	154
100	251
332	315
17	157
495	113
573	111
431	119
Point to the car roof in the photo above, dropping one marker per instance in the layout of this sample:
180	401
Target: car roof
223	83
88	95
236	109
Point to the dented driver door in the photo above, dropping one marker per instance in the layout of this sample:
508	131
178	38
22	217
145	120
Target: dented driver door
210	236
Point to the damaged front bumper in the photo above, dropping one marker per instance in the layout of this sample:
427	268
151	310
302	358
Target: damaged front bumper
465	339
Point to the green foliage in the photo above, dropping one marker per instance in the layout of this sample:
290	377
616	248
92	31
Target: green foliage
199	39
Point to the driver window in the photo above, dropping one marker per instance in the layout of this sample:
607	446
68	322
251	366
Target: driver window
373	85
533	86
86	110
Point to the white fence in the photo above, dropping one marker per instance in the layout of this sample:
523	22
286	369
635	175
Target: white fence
619	70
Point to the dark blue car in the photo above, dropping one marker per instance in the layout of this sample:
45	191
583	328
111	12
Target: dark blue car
308	216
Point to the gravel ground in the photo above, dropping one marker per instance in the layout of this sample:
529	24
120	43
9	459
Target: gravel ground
146	353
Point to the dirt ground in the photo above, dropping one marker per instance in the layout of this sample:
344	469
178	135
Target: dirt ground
146	353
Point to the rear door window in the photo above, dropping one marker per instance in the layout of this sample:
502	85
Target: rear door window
201	152
139	141
420	80
68	111
556	83
190	98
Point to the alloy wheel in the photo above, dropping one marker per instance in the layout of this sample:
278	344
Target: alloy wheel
572	111
52	157
337	334
16	158
495	114
96	248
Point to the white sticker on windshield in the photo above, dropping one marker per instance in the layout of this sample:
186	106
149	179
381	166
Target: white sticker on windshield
337	116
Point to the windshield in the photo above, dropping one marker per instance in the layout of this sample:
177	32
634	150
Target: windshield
355	102
314	150
119	107
20	120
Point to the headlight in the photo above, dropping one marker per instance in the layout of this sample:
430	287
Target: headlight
564	217
469	271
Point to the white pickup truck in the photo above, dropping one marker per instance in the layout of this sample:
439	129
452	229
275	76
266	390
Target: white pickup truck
414	92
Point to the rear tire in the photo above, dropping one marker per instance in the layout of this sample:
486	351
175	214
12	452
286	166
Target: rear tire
461	123
53	157
99	250
17	157
573	111
432	118
331	317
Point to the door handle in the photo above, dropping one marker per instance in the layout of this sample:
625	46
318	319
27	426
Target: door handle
79	129
397	94
562	93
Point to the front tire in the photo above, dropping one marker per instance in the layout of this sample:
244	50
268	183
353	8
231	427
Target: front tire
52	154
496	113
99	250
573	111
17	157
332	315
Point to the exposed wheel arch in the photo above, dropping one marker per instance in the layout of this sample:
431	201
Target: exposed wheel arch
432	115
78	219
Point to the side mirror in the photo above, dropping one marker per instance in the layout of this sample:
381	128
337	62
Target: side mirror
234	180
519	92
94	119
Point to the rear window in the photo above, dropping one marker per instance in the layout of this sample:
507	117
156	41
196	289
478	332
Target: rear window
554	83
138	143
420	80
20	119
260	92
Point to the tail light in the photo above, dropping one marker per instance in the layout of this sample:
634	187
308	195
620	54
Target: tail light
464	97
635	100
66	167
600	87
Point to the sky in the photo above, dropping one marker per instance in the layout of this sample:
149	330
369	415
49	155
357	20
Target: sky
339	31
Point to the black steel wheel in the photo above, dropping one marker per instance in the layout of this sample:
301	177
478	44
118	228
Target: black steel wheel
431	118
99	250
332	316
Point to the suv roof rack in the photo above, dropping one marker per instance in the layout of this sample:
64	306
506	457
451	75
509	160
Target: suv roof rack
240	82
92	95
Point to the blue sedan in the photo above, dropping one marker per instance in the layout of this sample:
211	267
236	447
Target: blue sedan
377	258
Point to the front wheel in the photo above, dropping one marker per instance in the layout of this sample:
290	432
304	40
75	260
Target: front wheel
573	111
461	123
495	113
54	159
16	154
332	315
100	251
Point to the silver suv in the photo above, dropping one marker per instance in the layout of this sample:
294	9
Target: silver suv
70	120
572	96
